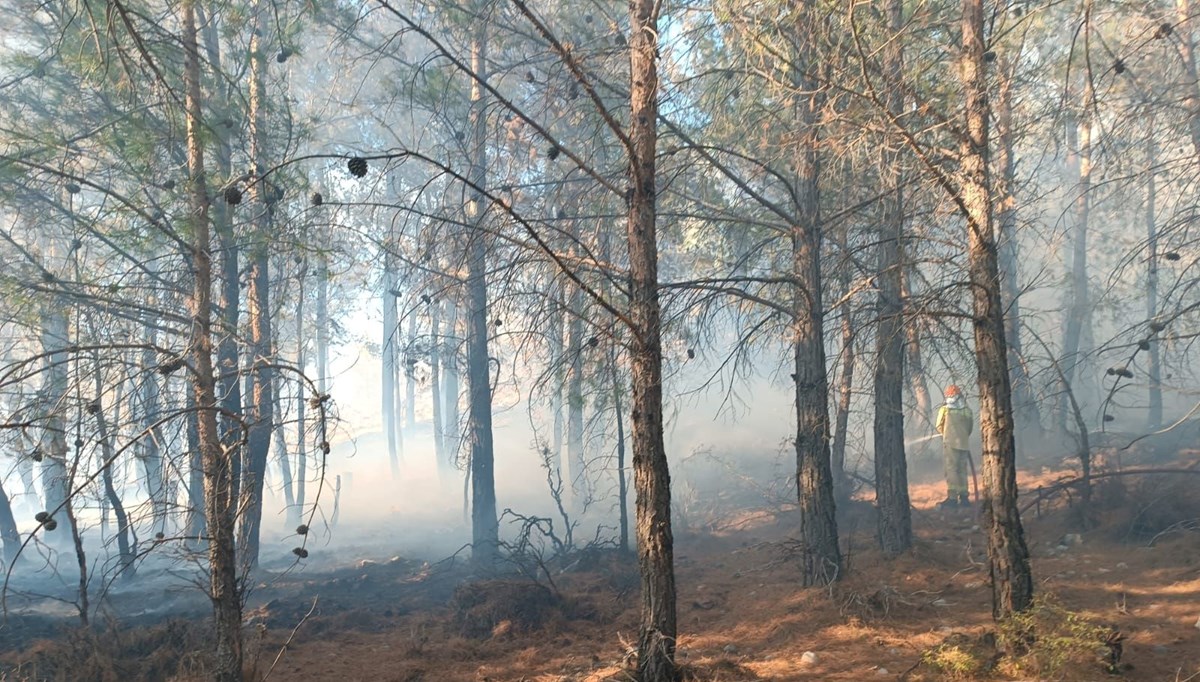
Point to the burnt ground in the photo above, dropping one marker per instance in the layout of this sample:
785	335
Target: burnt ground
1129	571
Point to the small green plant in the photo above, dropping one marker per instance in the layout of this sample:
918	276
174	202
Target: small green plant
1047	640
954	661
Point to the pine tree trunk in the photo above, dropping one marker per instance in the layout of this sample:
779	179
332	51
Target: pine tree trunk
126	551
918	383
56	484
258	296
196	520
223	584
1008	557
484	524
622	474
410	379
1079	134
821	558
1187	45
557	363
1154	368
1028	417
388	349
651	475
322	325
894	527
152	459
280	452
296	511
444	464
837	450
10	538
228	385
451	432
575	403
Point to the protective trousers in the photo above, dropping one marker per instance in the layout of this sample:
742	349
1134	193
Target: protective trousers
956	471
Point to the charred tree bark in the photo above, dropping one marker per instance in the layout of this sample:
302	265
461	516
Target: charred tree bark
894	521
484	524
821	558
1008	557
223	584
1027	415
651	475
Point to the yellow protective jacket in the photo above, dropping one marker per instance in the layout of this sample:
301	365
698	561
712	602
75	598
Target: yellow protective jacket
955	422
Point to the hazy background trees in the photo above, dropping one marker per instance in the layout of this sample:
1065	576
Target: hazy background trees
224	225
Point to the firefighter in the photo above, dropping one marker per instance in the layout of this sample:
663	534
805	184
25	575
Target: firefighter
955	422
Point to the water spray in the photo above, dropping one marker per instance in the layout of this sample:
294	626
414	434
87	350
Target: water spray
918	441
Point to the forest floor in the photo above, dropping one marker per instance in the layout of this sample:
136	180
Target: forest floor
1133	569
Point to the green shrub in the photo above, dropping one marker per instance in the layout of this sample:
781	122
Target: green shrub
1046	640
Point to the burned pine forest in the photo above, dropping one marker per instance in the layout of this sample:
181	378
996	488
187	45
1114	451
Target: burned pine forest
594	341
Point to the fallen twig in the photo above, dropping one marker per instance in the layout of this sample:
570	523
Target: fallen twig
283	649
1049	491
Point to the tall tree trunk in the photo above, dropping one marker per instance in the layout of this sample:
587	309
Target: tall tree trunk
622	476
484	524
1154	370
281	454
222	566
1008	557
126	543
410	379
894	528
821	559
301	407
444	464
229	387
389	349
580	485
322	372
196	518
651	475
152	459
918	383
323	324
1079	144
1191	97
56	484
258	295
10	537
841	425
557	379
1028	417
451	431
